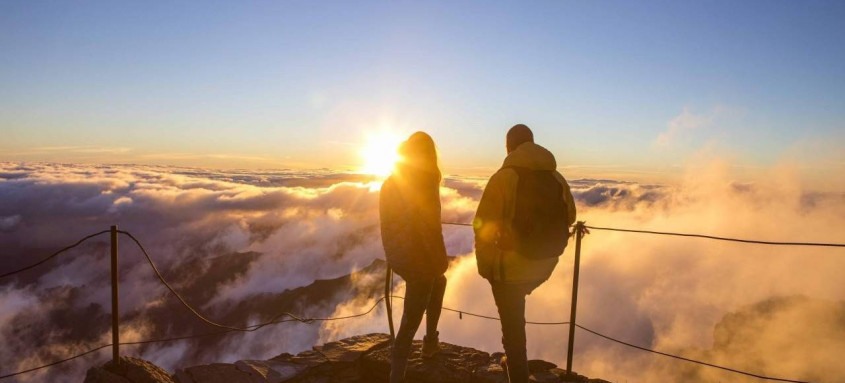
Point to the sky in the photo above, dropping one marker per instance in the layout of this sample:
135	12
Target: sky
617	89
710	117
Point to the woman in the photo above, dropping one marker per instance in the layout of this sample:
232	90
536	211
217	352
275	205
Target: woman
409	207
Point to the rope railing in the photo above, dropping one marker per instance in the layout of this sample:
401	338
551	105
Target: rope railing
728	239
628	344
370	310
186	337
191	308
227	329
461	314
740	240
687	359
705	236
51	256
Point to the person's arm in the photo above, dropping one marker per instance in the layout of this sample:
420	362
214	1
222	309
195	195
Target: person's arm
387	212
393	222
488	218
434	228
487	226
570	202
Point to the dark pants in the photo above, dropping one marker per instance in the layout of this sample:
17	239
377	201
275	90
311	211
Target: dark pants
421	297
510	300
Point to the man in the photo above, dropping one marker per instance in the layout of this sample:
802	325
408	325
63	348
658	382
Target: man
514	270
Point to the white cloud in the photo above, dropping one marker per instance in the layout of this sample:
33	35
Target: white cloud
680	126
227	238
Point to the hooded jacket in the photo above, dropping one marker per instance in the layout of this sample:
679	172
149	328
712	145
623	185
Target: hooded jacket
411	232
496	211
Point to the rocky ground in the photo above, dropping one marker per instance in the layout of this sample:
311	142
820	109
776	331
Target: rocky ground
363	358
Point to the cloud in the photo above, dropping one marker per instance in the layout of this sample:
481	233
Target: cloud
221	237
239	245
616	195
779	335
673	294
681	125
270	238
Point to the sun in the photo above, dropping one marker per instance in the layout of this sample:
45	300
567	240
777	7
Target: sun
380	154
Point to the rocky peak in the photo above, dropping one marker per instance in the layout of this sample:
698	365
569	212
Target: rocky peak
130	370
362	358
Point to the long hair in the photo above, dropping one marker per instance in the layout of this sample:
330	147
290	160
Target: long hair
417	163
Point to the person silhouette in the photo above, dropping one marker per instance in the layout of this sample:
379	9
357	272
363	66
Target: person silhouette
412	236
509	224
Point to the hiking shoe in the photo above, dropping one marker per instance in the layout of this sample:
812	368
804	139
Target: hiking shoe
431	345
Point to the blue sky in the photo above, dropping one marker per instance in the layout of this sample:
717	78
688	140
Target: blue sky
276	84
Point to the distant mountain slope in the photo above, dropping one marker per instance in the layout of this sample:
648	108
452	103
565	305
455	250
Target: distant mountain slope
796	337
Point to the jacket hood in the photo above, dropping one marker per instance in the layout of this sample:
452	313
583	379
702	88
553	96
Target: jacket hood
532	156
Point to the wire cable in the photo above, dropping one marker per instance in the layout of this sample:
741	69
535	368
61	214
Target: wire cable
687	359
228	329
292	317
719	238
462	312
191	308
373	307
173	291
51	256
171	339
275	320
759	242
233	328
456	223
55	363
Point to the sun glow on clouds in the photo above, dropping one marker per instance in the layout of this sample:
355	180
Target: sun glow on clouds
259	234
380	153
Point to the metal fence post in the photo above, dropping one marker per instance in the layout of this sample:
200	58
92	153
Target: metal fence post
388	291
579	233
115	336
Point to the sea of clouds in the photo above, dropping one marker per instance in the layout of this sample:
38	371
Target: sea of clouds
279	230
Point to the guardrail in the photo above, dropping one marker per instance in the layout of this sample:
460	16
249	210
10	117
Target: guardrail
580	229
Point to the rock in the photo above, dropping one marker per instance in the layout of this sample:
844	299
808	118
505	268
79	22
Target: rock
536	365
493	372
344	355
308	359
574	377
131	370
543	377
351	349
182	377
272	371
359	359
540	371
452	364
214	373
99	375
285	357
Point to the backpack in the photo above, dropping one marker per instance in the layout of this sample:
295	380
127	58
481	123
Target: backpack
539	227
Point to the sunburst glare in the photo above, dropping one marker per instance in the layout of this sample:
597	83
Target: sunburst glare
380	153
